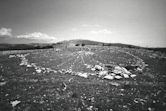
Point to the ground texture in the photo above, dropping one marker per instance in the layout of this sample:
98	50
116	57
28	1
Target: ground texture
83	79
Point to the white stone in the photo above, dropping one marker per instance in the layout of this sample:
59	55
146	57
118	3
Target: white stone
85	75
125	70
28	65
139	69
11	56
14	103
109	77
117	70
93	69
112	74
90	108
121	70
125	75
102	73
3	83
98	67
118	77
133	75
38	70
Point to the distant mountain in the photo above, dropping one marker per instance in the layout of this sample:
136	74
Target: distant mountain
14	40
16	45
79	42
4	47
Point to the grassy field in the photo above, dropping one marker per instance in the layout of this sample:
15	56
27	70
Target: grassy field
62	79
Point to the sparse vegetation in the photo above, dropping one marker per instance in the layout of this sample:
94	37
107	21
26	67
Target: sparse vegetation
77	79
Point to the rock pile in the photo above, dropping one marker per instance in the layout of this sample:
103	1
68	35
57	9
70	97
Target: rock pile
25	62
112	72
104	71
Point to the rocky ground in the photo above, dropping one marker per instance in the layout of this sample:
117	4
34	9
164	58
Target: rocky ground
83	79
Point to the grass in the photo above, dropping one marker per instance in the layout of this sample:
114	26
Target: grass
62	91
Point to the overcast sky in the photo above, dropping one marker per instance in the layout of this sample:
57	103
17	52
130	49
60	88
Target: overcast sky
139	22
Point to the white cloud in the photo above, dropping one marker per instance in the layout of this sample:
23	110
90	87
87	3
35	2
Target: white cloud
6	32
37	36
101	31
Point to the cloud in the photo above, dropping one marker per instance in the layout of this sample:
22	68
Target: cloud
37	36
6	32
101	31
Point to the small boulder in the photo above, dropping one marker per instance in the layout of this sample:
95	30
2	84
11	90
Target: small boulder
125	75
85	75
14	103
118	77
109	77
133	75
97	68
3	83
38	70
102	73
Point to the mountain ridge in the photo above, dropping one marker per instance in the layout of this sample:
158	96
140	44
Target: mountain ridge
72	43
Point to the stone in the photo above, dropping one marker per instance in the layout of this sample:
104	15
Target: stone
109	77
14	103
93	69
133	75
113	74
117	70
120	70
118	77
85	75
102	73
38	70
98	68
3	83
125	70
125	75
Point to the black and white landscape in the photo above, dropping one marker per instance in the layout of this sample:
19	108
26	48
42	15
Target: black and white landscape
82	55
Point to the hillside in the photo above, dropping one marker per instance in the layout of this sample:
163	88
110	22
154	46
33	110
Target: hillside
71	43
89	77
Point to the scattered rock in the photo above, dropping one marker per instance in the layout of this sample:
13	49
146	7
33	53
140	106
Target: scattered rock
109	77
3	83
133	75
85	75
125	75
102	73
120	70
98	68
64	86
150	109
90	108
14	103
11	56
118	77
38	70
112	74
93	69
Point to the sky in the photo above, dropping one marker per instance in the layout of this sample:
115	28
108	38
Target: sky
137	22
